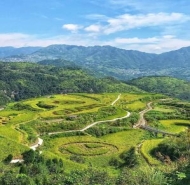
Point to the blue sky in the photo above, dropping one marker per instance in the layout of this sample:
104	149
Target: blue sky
143	25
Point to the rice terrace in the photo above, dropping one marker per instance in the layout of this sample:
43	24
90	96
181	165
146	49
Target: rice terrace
91	129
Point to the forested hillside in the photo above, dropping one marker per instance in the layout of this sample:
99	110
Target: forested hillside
24	80
111	61
165	85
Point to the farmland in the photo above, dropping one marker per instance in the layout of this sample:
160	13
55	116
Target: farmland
60	121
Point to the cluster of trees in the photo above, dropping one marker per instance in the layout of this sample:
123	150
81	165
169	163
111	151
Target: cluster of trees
113	127
127	158
101	131
165	85
36	170
21	106
25	80
78	122
182	107
42	104
176	149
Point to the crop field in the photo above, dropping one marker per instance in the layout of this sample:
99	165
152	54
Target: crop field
59	120
146	148
163	109
175	126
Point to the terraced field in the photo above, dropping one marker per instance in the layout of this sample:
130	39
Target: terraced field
21	123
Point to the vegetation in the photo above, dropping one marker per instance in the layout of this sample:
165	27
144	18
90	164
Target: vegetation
119	63
166	85
25	80
109	149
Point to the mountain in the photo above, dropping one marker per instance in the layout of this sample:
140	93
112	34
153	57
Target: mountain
102	60
111	61
166	85
13	52
173	59
25	80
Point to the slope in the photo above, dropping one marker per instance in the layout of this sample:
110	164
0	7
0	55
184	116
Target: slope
26	80
165	85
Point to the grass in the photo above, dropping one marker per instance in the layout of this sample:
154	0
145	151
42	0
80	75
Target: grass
79	148
175	126
97	152
9	146
163	109
136	106
146	147
124	140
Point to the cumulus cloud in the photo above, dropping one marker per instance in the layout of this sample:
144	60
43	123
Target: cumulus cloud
14	39
93	28
72	27
158	44
128	21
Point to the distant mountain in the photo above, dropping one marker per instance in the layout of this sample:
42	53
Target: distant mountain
173	59
111	61
11	51
165	85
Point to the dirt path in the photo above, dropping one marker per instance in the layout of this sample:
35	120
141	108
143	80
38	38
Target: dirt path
33	147
39	143
95	123
119	96
91	125
142	121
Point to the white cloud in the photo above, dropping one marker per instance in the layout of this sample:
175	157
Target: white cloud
23	40
72	27
93	28
98	17
169	36
136	40
151	45
13	39
128	21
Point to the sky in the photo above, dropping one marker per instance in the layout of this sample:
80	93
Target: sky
144	25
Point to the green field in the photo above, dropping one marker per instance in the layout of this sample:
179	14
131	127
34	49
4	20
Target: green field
175	126
22	122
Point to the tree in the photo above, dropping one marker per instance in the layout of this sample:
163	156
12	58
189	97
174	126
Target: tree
8	159
130	158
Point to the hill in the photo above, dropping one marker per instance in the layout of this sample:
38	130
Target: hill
17	52
111	61
165	85
103	60
26	80
59	63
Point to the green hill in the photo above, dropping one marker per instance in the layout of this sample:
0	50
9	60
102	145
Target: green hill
165	85
25	80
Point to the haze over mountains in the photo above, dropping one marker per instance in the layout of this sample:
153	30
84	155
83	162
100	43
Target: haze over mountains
107	60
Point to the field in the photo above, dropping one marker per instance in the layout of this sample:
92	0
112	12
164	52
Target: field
59	120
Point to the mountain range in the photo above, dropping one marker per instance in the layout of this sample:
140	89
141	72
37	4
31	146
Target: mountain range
107	60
